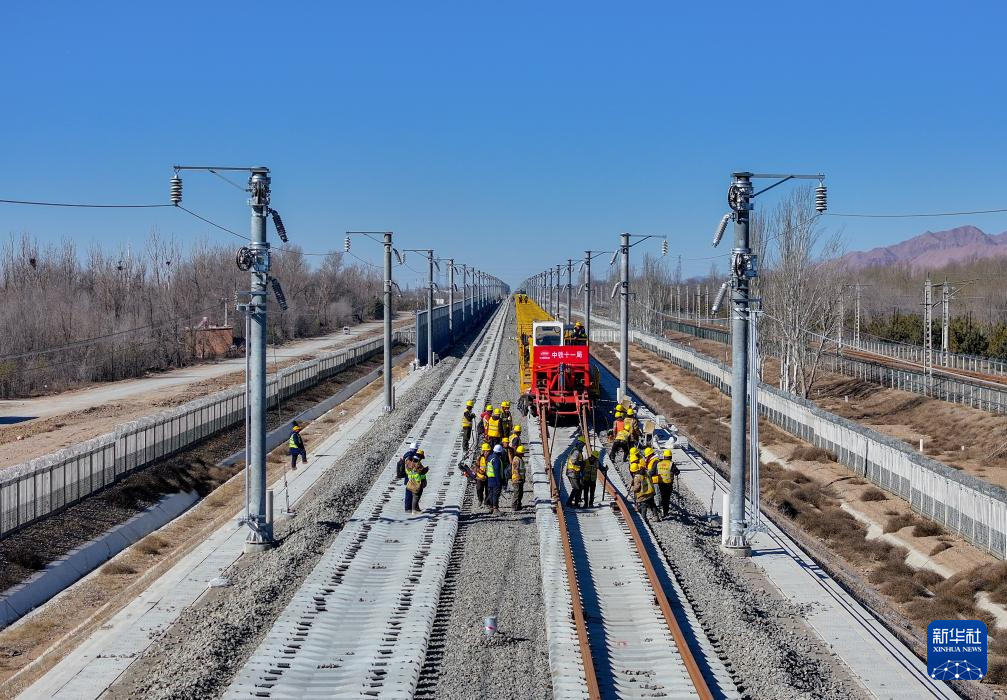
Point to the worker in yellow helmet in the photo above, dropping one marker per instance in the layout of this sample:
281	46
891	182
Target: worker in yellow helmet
493	428
666	472
574	472
506	419
468	415
295	445
517	476
480	471
643	490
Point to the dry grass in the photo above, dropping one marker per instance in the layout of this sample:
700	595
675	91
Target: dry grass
117	568
810	453
939	547
927	528
873	494
151	544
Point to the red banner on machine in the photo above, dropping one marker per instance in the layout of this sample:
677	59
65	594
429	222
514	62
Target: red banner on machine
546	355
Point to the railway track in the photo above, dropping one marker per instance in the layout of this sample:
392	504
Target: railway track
360	624
622	636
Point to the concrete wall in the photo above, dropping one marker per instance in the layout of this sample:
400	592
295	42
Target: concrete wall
42	486
441	336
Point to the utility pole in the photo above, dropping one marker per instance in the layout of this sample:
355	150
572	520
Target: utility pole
842	316
464	302
430	301
856	326
945	320
389	401
587	294
744	268
451	299
928	330
624	317
559	287
569	290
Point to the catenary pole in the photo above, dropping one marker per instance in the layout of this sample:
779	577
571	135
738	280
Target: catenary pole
388	322
624	318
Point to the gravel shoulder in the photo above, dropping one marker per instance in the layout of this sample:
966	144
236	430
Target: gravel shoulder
766	645
199	654
494	571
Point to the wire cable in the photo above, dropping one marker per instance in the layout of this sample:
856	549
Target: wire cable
84	206
213	223
918	216
229	181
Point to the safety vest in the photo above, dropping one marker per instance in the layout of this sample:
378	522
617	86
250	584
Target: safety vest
292	442
467	419
490	469
515	440
619	422
574	467
507	422
494	427
481	469
629	425
517	469
645	489
590	469
622	434
415	474
664	468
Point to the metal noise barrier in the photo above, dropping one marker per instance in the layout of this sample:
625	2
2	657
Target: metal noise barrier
967	505
474	314
45	485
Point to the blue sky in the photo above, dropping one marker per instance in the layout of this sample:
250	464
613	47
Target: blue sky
509	135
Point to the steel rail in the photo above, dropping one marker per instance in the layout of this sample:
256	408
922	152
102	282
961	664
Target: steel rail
590	676
684	649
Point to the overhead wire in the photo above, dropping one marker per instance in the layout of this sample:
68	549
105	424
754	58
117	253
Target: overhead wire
83	205
917	215
213	223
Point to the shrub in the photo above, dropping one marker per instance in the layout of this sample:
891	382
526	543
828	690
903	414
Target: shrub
117	568
873	494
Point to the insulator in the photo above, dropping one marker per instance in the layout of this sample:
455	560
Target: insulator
176	189
715	309
278	223
664	247
346	244
281	298
821	198
721	227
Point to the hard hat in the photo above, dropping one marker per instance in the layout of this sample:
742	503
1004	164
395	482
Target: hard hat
578	323
489	407
517	428
634	450
496	411
520	449
485	447
582	440
505	441
634	467
630	412
667	453
498	448
596	453
470	404
297	428
619	408
505	404
648	452
421	454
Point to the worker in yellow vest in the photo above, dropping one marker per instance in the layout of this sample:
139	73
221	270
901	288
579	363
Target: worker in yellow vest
631	425
666	472
650	460
494	479
480	470
574	472
515	439
643	490
517	476
295	445
506	419
468	415
493	428
589	477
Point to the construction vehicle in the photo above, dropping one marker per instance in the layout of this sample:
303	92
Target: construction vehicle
557	378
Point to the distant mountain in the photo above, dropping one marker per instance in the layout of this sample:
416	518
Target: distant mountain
933	249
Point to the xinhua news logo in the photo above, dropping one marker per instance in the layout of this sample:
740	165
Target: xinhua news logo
956	650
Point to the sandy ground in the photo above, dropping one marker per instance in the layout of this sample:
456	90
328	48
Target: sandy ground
958	556
54	630
962	437
75	416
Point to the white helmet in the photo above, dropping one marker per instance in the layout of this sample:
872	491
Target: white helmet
498	448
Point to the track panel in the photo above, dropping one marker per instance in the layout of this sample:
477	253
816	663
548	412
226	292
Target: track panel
360	623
